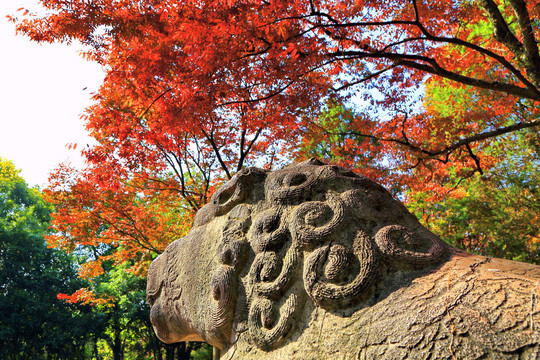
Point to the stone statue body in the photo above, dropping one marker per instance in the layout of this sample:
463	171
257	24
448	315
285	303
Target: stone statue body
315	262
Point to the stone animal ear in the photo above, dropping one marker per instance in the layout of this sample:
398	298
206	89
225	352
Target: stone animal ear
222	304
234	192
312	161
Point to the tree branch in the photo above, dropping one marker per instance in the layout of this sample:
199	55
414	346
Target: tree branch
501	31
475	158
259	130
210	138
532	55
433	154
489	85
153	102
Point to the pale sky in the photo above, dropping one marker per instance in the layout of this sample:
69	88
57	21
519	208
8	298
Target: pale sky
41	98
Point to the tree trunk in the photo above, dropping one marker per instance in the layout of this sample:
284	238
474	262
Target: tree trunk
215	353
95	348
116	347
157	354
183	351
170	350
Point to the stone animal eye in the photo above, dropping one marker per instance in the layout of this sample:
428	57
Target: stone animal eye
151	298
294	179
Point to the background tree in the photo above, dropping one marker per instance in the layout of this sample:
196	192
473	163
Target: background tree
33	322
47	311
496	213
196	91
115	219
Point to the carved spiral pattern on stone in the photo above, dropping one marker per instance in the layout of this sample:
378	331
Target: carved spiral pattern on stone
313	221
269	231
265	330
326	269
268	266
270	275
223	302
338	263
290	186
322	218
402	244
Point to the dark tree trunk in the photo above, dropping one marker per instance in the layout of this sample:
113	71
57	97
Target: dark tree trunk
184	350
169	351
158	355
95	348
116	347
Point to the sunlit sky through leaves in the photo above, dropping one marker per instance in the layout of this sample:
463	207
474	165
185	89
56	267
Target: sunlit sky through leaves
43	90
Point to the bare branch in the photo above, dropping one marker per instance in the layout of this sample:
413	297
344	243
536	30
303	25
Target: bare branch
153	102
416	62
259	130
475	158
533	94
367	78
433	154
532	55
211	140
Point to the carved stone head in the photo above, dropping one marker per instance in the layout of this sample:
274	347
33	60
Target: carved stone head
271	247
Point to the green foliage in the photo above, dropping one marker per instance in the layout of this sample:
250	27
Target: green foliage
446	100
497	214
336	133
34	324
22	209
204	352
128	333
331	126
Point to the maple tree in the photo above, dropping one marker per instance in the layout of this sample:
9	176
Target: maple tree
196	90
116	221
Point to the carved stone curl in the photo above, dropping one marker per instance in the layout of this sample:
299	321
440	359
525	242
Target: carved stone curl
266	329
314	221
315	262
327	267
400	243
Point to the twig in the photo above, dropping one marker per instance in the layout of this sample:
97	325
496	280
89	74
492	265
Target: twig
153	102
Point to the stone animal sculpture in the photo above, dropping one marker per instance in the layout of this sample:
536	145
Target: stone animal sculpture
316	262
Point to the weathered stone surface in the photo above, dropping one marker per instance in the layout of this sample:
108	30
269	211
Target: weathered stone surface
316	262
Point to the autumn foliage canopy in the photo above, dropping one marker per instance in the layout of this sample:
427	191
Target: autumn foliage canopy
196	90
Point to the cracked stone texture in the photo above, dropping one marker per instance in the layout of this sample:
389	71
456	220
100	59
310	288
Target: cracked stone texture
314	262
